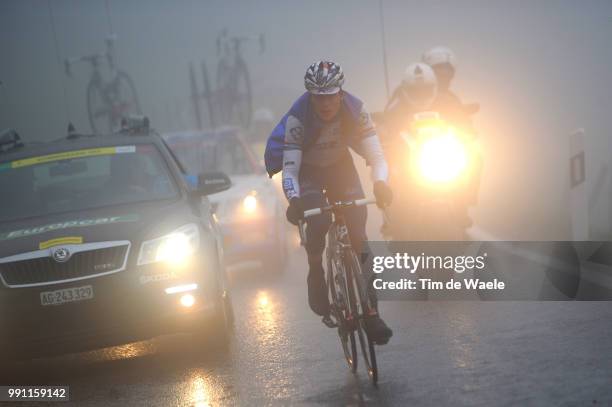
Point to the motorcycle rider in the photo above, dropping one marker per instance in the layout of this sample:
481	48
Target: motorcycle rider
421	91
443	62
417	93
320	128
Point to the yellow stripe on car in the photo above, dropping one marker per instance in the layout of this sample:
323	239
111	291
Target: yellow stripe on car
59	241
67	155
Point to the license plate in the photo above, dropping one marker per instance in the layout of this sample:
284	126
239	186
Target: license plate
59	297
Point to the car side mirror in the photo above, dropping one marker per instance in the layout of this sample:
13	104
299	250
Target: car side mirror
212	182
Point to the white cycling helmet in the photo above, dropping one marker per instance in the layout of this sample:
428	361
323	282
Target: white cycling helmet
419	86
324	78
440	55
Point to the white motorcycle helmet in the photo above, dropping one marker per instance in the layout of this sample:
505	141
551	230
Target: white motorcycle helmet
444	64
419	86
440	55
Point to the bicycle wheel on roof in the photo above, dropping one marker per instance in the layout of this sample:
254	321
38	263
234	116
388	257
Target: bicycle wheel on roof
241	97
108	103
98	109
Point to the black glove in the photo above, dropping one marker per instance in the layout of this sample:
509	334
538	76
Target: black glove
295	211
383	194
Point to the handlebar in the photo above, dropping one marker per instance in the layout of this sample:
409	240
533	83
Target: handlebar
224	41
338	205
92	58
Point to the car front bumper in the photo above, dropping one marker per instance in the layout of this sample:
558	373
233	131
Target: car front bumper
250	240
125	307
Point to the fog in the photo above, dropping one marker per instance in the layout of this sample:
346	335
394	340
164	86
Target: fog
538	69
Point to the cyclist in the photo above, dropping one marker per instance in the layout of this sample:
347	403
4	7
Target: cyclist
320	128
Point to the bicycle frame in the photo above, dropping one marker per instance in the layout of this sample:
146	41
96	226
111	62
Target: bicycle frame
94	61
341	247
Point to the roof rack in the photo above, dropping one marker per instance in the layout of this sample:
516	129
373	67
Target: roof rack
134	125
9	140
72	133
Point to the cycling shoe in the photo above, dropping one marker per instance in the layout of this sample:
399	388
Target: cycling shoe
377	330
317	293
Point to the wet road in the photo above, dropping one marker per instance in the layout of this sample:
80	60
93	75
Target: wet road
443	353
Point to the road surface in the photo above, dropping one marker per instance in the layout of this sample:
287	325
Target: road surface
442	353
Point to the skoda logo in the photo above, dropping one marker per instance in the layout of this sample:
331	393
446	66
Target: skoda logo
60	255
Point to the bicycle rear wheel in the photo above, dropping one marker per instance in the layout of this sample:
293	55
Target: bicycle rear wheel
98	110
195	96
108	103
124	98
358	297
242	99
208	96
336	282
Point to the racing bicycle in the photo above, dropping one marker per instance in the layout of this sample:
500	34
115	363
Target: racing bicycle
350	303
107	101
233	79
229	99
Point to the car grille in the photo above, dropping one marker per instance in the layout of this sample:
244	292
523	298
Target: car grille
42	269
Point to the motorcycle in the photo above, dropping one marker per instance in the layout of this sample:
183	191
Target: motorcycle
434	172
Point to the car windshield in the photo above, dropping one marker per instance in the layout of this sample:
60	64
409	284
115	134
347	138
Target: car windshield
228	156
200	154
84	179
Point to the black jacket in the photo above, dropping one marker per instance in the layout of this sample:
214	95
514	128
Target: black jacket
398	114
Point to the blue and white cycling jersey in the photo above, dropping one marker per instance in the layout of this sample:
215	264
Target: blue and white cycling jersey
329	147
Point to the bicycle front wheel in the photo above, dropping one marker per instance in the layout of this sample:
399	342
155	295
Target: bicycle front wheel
358	298
336	282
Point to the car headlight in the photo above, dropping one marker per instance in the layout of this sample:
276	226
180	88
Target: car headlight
174	248
249	204
249	207
442	158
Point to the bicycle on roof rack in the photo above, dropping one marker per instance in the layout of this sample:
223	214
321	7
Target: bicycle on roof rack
205	95
107	100
231	100
9	140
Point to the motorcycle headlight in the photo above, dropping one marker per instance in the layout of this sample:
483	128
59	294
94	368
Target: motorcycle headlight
442	158
174	248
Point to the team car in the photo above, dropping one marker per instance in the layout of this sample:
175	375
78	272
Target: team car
251	213
105	240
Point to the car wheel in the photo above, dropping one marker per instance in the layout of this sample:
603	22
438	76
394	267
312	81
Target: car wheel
216	332
225	317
